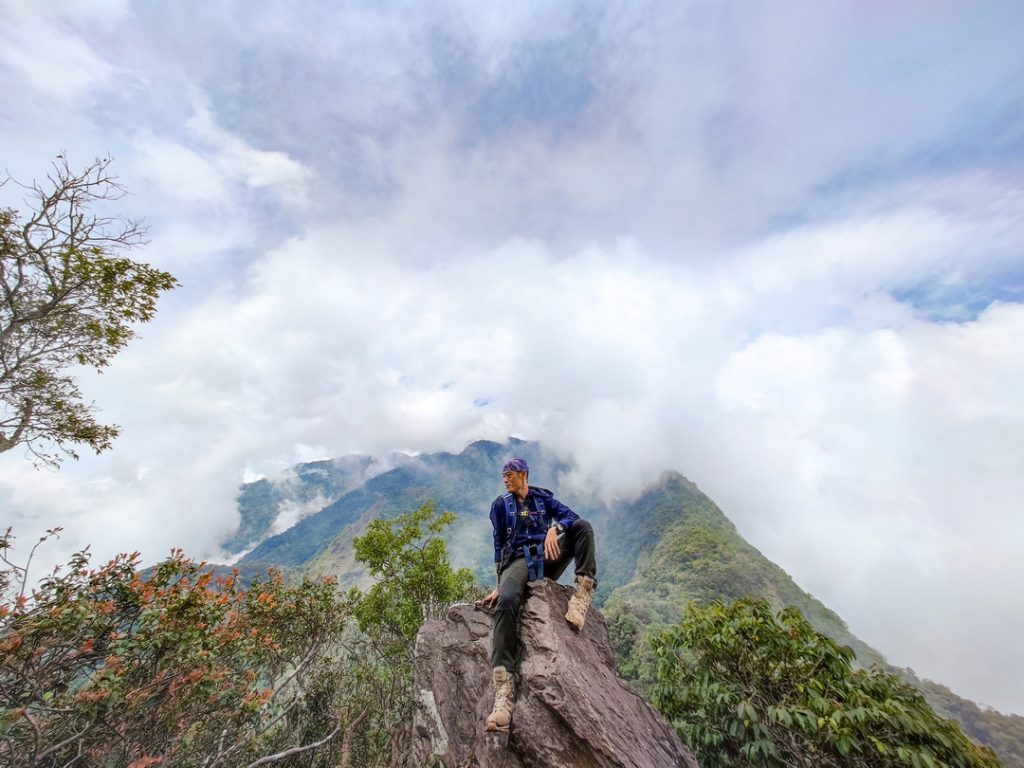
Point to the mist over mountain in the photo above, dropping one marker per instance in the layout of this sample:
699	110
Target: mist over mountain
657	552
267	508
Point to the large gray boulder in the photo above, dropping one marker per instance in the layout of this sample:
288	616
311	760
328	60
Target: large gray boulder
572	708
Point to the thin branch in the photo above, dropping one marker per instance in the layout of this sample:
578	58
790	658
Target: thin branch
296	750
252	734
61	744
298	668
6	443
76	758
301	666
35	727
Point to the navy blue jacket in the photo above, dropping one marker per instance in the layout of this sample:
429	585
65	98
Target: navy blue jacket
544	510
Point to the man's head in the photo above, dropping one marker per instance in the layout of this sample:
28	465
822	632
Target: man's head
514	474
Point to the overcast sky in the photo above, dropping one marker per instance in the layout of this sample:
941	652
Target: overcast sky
777	246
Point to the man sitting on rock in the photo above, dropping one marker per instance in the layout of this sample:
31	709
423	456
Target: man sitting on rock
535	536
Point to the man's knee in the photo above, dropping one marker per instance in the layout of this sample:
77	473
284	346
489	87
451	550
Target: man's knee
508	601
581	528
510	595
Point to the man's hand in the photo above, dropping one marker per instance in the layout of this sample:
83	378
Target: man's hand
551	544
491	600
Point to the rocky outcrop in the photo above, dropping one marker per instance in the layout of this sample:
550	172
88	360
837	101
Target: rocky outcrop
572	709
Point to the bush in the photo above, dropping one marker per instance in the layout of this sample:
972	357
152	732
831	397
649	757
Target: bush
180	666
745	687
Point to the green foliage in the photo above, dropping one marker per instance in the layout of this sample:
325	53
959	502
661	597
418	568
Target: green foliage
68	297
415	581
746	687
115	667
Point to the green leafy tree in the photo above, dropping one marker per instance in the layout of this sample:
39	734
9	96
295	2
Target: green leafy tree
746	687
414	584
69	296
415	580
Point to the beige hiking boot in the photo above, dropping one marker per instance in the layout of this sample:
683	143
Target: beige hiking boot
504	700
580	602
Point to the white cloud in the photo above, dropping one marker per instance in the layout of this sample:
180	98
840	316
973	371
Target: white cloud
831	449
259	169
210	169
899	448
102	11
181	174
56	64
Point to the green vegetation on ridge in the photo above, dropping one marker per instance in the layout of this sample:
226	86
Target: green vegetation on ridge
309	487
698	557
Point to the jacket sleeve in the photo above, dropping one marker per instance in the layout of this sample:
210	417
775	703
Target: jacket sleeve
497	524
560	513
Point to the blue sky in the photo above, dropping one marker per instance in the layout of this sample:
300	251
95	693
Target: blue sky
775	246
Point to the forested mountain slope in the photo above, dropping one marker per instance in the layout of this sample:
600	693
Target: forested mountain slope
697	555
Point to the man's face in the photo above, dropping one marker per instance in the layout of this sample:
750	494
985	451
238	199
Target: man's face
515	482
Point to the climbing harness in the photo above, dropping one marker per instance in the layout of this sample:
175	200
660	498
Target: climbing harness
533	553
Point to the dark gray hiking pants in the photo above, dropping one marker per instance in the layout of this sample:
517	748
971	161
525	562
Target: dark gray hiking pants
577	543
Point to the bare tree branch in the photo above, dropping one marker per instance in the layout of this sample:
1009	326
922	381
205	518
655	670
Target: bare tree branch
295	750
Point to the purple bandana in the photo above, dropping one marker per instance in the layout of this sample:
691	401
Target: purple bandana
515	465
